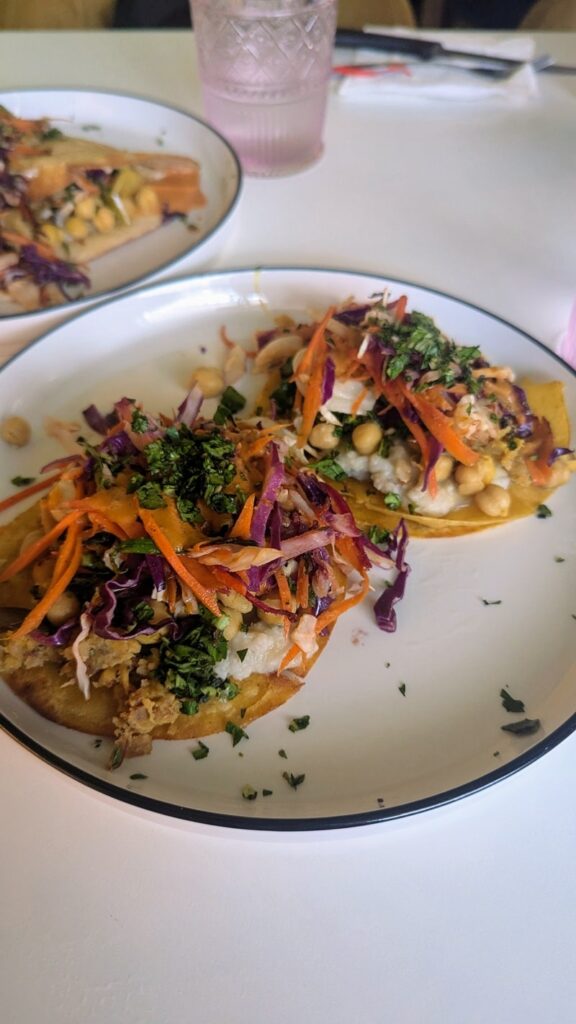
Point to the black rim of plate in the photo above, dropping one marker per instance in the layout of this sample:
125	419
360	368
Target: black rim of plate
75	305
295	824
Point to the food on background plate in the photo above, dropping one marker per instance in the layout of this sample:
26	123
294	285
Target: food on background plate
65	201
179	577
411	425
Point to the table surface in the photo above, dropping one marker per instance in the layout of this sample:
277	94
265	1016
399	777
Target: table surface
461	915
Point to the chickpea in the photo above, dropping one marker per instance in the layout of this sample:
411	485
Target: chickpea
52	234
86	207
473	479
235	617
147	201
493	501
76	228
236	601
323	436
104	220
64	607
366	438
444	467
15	430
210	380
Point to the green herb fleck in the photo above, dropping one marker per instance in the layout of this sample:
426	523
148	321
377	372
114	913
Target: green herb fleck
267	792
392	501
329	467
150	496
524	728
402	689
139	546
143	612
488	603
230	403
186	667
293	780
297	724
22	481
90	127
558	558
50	134
97	743
282	753
377	534
192	466
283	396
510	703
138	775
543	512
236	733
242	654
116	757
249	793
201	751
139	422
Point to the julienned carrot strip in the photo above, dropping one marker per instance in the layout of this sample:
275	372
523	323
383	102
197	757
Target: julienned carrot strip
283	590
241	528
32	552
226	579
34	618
302	586
358	400
439	425
102	522
15	238
65	552
290	654
27	492
347	548
315	344
400	308
336	610
393	393
164	545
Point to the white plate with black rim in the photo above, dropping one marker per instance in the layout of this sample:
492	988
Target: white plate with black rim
398	723
141	125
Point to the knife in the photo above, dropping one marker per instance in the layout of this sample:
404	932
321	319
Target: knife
430	50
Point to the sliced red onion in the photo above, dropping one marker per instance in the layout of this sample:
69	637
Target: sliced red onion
190	407
98	421
344	523
118	444
270	489
66	460
435	450
275	523
328	379
295	546
353	316
556	453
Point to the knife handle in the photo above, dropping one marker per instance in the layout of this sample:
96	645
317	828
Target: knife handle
425	49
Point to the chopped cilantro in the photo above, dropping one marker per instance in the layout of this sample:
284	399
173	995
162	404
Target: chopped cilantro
524	728
186	667
420	346
510	703
282	753
22	481
297	724
488	603
188	707
402	689
242	654
267	792
543	512
293	780
201	751
249	793
143	612
191	467
139	546
329	467
558	558
283	396
242	712
150	496
392	500
116	757
377	534
231	402
138	775
139	422
50	134
236	733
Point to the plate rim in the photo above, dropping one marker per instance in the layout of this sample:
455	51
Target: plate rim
293	824
76	305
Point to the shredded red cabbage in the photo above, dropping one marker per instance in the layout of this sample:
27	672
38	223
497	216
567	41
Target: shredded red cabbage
557	452
328	380
98	421
270	489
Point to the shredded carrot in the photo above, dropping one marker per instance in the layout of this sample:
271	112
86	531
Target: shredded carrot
27	492
393	393
32	552
66	550
171	593
225	339
164	545
347	548
302	585
56	588
290	654
336	610
286	599
226	579
440	427
241	528
400	308
316	344
103	522
362	394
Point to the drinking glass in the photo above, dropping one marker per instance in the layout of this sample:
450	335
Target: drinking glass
265	67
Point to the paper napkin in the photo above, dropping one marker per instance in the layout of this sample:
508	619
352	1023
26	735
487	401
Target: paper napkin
408	79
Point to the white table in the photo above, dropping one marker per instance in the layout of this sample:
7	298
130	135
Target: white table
463	915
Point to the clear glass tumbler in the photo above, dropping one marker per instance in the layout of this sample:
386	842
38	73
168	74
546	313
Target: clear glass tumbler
265	67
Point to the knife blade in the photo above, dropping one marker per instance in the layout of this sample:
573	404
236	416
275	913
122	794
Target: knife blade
431	50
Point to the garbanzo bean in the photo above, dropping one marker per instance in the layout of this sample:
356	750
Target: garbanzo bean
210	380
235	617
493	501
323	436
472	479
76	228
15	430
444	467
104	220
147	201
366	438
86	207
64	608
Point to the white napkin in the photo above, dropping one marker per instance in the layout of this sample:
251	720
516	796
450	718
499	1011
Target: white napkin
409	79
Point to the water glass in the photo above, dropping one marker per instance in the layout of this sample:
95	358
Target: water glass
265	68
